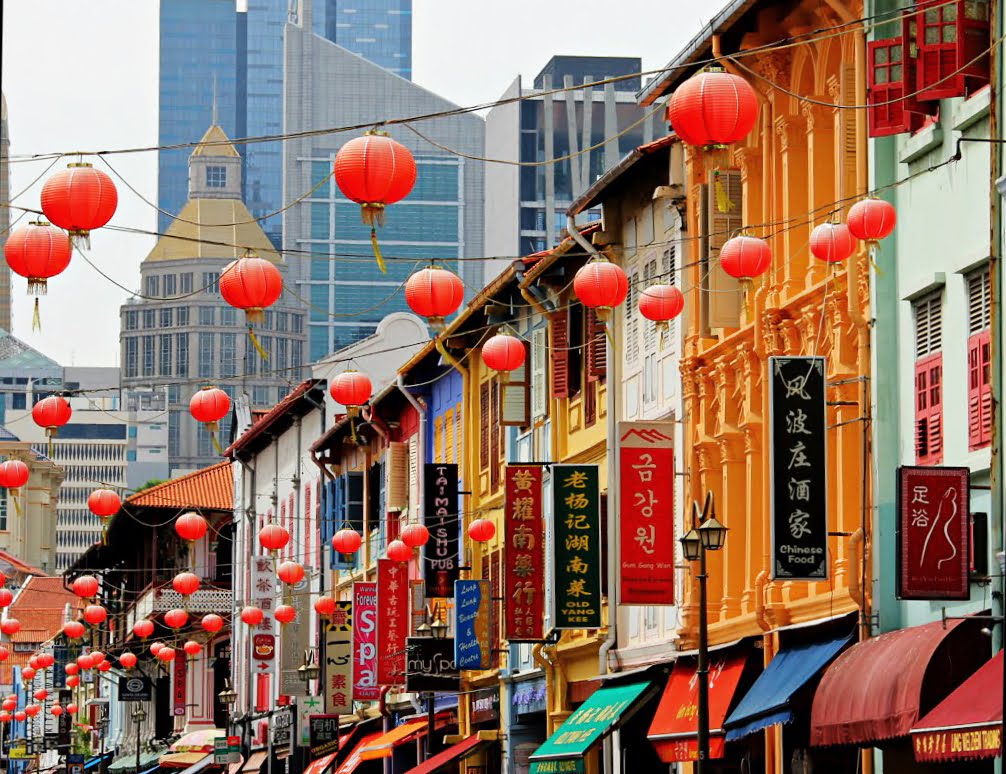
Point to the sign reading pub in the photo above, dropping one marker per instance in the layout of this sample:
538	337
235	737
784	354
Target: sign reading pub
799	501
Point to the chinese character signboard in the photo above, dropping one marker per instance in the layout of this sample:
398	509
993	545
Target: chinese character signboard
324	735
365	686
430	665
393	615
306	707
646	512
798	467
264	597
577	518
339	661
440	515
471	643
178	686
933	533
524	555
282	729
295	638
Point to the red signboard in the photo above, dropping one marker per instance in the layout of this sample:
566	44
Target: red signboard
646	512
393	613
365	686
524	555
934	524
178	686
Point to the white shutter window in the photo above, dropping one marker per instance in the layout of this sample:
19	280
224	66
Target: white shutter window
413	476
632	320
396	475
928	325
515	399
979	300
539	373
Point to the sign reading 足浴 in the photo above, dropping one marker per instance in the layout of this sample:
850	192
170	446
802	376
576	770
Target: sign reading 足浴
523	555
798	466
441	566
576	512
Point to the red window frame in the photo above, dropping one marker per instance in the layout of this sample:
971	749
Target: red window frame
979	390
929	410
890	79
950	44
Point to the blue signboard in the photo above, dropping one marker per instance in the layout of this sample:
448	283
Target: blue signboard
471	645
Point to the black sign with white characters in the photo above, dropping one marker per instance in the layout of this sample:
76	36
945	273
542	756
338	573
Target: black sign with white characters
441	566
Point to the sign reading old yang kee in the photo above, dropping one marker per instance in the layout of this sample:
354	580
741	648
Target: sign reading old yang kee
798	443
440	514
577	551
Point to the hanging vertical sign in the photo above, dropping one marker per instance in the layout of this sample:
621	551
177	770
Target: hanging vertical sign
524	555
365	641
264	598
393	613
294	639
646	513
440	515
934	526
339	660
576	509
799	481
472	646
178	695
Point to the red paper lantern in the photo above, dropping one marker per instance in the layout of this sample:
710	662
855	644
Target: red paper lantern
252	284
600	285
745	257
6	597
415	535
56	710
71	708
290	572
73	681
285	613
95	614
212	623
104	666
251	615
5	717
32	710
350	388
4	654
46	660
872	219
10	626
481	530
324	606
79	199
176	618
33	662
96	657
434	293
20	716
14	474
85	586
166	654
127	660
504	352
374	171
832	242
28	673
51	413
104	503
186	583
155	647
661	303
41	694
38	252
712	109
398	551
209	406
84	661
191	526
192	648
74	630
346	541
273	537
72	669
143	629
9	705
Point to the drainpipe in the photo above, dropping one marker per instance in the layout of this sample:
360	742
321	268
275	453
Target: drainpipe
420	408
533	295
249	510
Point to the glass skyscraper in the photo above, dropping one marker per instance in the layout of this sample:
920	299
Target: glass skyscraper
378	30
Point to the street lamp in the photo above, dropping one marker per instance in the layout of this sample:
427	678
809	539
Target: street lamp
308	671
706	534
139	715
438	631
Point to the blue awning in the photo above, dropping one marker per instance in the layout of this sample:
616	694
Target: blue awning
90	763
767	703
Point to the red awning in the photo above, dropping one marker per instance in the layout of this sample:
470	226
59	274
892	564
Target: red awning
453	753
968	723
353	759
675	728
874	690
320	766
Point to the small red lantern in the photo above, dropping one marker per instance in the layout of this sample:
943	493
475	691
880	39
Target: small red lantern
5	717
600	285
252	284
290	572
4	654
38	252
186	583
415	535
10	626
74	630
191	526
104	503
209	406
28	673
212	623
46	660
176	618
51	413
346	541
251	615
712	109
84	661
95	614
9	705
832	242
481	530
96	657
273	537
285	613
661	303
434	293
41	694
504	352
352	389
324	606
166	654
20	716
73	681
14	474
85	586
872	219
56	710
71	708
143	629
398	551
72	669
32	710
745	257
104	666
6	597
192	648
155	647
127	660
33	662
79	199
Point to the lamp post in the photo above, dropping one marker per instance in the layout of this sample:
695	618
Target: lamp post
438	631
706	534
139	715
309	670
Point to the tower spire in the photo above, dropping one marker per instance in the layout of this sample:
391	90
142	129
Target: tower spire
216	122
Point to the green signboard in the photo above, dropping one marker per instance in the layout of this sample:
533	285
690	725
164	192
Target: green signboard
563	752
577	516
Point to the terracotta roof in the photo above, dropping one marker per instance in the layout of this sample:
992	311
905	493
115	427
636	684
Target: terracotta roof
274	414
18	565
210	489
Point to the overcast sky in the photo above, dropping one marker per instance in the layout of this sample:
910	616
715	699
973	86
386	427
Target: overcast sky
83	76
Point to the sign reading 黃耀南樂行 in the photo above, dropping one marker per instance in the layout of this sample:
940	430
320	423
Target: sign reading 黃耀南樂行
339	660
471	606
523	555
576	509
365	686
798	467
933	535
441	566
393	614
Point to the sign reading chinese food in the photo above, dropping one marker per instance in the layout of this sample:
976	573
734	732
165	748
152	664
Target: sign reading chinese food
440	515
471	604
646	512
576	509
339	661
365	686
393	614
798	465
524	555
933	533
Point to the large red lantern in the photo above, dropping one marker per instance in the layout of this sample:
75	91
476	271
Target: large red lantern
872	219
176	618
41	694
832	242
192	648
600	285
251	615
96	657
33	662
273	537
481	530
46	660
745	257
128	660
346	541
6	597
352	389
374	171
290	572
51	413
4	654
186	583
166	654
95	614
209	406
20	716
212	623
713	109
79	199
191	526
38	252
398	551
9	705
324	606
434	293
5	716
285	613
85	587
10	626
143	629
504	352
84	661
104	503
105	666
28	674
661	303
251	283
14	474
415	535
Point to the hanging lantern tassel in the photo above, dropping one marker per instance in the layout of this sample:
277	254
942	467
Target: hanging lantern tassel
216	443
723	202
745	288
352	427
256	344
607	333
377	251
662	328
36	319
17	503
871	250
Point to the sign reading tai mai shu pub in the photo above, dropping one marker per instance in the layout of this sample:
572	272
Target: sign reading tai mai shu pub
440	515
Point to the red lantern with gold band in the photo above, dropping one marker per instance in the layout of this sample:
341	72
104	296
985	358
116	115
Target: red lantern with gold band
713	109
504	353
79	199
745	257
253	284
352	389
209	406
434	293
601	285
51	413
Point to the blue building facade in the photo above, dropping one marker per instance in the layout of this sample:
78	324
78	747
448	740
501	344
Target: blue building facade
377	30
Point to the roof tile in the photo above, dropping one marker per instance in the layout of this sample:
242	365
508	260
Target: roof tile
211	489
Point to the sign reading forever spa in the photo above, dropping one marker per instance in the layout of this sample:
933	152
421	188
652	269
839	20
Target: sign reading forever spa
524	555
365	686
577	530
440	514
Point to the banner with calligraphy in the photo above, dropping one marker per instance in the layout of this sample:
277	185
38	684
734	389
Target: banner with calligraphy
472	647
179	698
393	615
263	596
441	517
798	468
365	686
576	512
524	555
338	671
294	639
933	536
646	513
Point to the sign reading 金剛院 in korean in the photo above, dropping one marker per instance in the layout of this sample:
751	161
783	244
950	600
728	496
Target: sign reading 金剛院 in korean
646	512
264	587
430	665
798	465
440	515
933	533
471	608
524	555
339	661
393	615
576	512
365	686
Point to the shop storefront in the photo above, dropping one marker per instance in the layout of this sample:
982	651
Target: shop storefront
528	722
